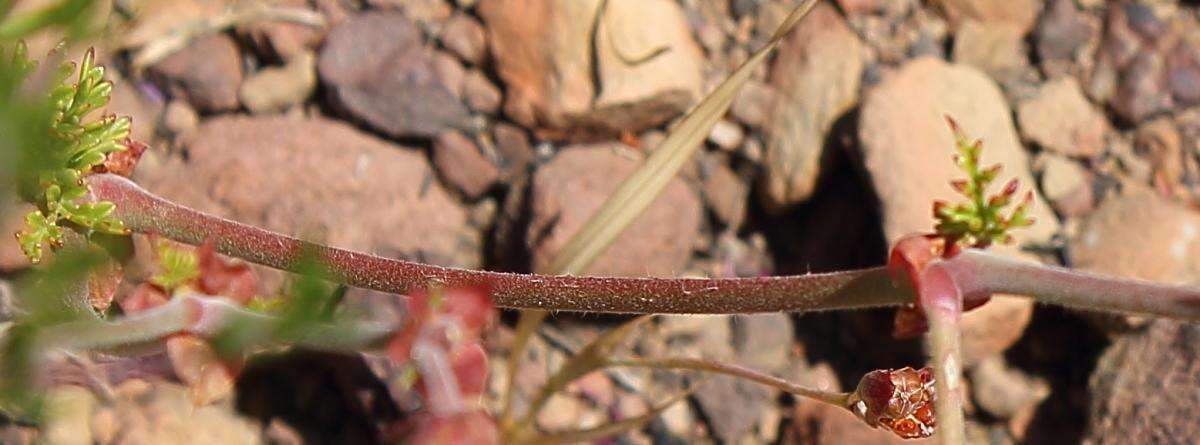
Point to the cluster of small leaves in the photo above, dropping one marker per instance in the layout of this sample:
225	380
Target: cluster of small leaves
176	266
77	144
980	221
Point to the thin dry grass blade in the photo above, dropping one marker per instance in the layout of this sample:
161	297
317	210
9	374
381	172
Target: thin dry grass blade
645	184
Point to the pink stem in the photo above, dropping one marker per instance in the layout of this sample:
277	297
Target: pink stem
978	272
146	213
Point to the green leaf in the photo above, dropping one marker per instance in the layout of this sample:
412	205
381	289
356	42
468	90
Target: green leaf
177	267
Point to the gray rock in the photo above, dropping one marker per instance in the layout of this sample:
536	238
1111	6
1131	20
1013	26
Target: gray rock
378	71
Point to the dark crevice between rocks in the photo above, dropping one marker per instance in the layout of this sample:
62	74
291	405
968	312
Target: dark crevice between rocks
1062	347
325	397
838	228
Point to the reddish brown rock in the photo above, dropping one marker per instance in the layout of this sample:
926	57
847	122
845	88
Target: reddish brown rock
322	179
283	40
1061	119
649	65
1144	387
278	88
571	187
464	35
1067	185
1140	235
1021	13
1063	35
543	59
725	192
753	103
206	73
479	93
817	75
996	48
516	152
378	70
461	164
646	63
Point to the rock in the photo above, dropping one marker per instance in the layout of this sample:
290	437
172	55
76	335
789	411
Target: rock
1148	62
732	406
1005	392
1020	13
428	13
514	148
451	73
479	93
726	135
180	118
1061	119
724	192
648	64
278	88
378	70
1063	36
907	146
127	100
561	413
764	341
464	36
542	57
1161	143
319	178
1141	92
207	73
994	327
1066	184
996	48
282	40
817	76
165	413
568	190
1140	235
1144	387
752	105
462	165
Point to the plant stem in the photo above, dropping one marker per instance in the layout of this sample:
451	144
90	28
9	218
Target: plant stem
204	316
976	272
144	212
945	352
981	272
694	364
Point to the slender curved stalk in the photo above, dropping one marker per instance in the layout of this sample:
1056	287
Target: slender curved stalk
144	212
204	316
695	364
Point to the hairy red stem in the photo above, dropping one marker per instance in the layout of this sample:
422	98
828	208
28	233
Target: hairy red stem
144	212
